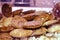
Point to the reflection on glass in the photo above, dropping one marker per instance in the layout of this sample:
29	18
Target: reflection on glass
26	0
32	3
23	5
5	0
18	0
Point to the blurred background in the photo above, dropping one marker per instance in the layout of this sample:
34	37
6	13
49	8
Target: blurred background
30	3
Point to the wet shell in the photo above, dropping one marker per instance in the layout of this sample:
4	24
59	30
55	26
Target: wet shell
17	12
7	21
54	28
6	29
40	31
18	21
33	24
20	33
43	16
50	22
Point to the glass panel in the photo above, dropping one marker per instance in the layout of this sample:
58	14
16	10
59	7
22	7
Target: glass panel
43	3
23	5
5	0
26	0
18	0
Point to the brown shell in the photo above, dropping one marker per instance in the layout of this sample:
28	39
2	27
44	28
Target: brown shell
5	36
38	20
28	12
6	29
17	12
18	21
50	22
33	24
21	33
7	21
39	31
7	10
43	16
30	17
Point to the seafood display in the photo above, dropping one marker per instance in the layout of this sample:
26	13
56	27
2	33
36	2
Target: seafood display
29	25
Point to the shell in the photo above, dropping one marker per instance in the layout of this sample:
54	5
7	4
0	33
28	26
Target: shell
20	33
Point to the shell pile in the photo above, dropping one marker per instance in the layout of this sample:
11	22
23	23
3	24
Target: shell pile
29	25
